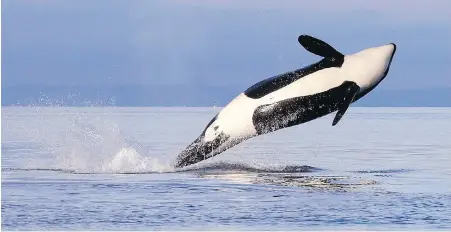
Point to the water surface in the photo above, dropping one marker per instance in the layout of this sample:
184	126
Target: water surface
110	168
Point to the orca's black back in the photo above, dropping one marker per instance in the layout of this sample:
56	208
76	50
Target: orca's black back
272	84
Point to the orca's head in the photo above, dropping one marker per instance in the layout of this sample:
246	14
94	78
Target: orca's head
205	146
369	67
231	126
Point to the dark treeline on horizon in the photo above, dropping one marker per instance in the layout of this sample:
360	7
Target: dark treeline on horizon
190	95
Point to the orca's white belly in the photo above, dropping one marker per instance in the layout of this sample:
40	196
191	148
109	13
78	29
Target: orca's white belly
236	117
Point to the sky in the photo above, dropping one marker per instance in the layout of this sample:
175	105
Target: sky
216	42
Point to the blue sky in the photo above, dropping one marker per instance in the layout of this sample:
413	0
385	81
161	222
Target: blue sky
145	42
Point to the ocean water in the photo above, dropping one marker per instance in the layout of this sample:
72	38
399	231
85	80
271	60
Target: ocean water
110	168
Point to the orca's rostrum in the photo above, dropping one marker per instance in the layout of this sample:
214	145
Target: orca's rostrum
293	98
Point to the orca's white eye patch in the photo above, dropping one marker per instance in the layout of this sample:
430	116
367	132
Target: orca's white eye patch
209	124
212	131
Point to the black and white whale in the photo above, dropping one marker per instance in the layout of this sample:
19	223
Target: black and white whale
293	98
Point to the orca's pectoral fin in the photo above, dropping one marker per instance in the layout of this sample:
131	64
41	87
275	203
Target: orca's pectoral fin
318	47
351	89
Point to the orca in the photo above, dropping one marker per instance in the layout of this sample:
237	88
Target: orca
293	98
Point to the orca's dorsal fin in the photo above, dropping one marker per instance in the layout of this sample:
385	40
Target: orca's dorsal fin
351	89
318	47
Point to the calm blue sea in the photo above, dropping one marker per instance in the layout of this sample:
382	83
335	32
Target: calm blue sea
110	169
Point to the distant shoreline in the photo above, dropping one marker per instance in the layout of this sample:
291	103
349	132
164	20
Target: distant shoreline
199	95
201	107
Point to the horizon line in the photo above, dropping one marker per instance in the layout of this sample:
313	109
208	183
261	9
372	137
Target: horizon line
122	106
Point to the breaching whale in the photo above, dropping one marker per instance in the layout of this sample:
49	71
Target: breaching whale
293	98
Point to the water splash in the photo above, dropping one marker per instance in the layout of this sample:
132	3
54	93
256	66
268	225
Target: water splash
103	148
77	140
128	160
